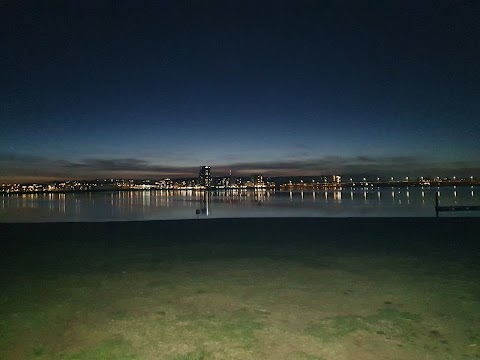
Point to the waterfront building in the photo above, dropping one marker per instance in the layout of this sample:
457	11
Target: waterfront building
204	176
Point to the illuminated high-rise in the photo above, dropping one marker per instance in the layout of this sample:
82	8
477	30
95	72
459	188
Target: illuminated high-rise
204	176
257	180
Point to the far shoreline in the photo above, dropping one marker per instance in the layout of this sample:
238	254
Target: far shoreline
293	188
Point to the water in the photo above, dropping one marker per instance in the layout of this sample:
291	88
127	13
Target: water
160	205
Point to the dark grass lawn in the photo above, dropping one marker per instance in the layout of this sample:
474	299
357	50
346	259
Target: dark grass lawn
370	288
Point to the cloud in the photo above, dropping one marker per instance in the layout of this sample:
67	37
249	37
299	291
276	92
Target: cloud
360	165
18	166
23	168
130	165
331	165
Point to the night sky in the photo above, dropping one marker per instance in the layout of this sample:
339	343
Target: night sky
153	89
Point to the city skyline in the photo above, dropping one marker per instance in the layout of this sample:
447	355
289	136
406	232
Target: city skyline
283	88
206	179
137	169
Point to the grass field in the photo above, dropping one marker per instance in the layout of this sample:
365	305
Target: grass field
241	289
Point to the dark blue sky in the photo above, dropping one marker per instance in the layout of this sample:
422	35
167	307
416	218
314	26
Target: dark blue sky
150	89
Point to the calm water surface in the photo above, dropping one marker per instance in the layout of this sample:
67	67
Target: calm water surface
159	205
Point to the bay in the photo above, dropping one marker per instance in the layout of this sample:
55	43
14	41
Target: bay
189	204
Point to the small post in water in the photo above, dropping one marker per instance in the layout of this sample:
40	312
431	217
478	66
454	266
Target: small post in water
436	203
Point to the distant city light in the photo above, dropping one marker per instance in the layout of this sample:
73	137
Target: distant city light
205	181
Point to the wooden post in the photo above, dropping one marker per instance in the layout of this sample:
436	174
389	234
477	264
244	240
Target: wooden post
436	203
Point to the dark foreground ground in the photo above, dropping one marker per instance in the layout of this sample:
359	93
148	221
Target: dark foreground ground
364	288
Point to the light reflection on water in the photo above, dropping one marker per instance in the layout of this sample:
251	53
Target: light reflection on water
162	204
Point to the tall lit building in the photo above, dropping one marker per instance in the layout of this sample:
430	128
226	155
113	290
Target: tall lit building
204	176
257	180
